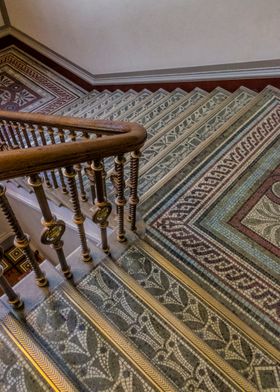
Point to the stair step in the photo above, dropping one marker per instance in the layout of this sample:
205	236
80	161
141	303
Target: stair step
93	354
66	111
141	107
122	106
159	170
167	343
222	330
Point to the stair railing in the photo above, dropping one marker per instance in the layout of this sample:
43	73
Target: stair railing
58	147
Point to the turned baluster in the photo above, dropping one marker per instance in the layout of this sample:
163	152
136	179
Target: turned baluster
18	133
78	217
63	185
22	130
13	297
78	169
133	184
53	176
103	206
90	175
6	136
10	131
21	240
120	199
54	229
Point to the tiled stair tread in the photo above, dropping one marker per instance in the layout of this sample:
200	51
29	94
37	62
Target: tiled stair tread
80	102
98	105
148	179
173	354
172	133
146	103
91	358
241	348
174	156
123	106
92	102
16	373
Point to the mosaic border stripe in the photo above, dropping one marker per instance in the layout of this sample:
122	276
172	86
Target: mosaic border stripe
30	349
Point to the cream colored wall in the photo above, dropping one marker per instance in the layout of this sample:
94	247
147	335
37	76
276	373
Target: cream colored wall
109	36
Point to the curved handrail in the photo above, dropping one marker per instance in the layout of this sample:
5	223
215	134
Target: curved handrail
120	137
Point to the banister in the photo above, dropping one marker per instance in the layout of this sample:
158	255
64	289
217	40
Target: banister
122	137
103	127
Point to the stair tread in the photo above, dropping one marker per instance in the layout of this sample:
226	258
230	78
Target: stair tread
153	332
92	353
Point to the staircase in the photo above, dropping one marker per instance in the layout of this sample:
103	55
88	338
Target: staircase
132	320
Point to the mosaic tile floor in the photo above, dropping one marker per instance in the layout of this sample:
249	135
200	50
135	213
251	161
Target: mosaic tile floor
27	85
209	223
194	307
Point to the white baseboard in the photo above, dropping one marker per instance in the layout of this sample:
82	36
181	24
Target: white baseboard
251	70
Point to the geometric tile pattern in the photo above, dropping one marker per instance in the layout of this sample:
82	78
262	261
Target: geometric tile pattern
179	362
189	142
187	224
218	332
27	85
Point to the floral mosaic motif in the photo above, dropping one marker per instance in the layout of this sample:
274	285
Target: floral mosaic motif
264	219
240	352
127	97
89	359
13	94
182	150
175	358
16	375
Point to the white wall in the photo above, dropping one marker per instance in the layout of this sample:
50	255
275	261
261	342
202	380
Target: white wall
109	36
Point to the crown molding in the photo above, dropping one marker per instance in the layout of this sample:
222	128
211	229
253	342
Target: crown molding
251	70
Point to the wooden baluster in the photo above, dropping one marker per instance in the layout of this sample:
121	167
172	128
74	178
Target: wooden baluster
21	240
13	297
104	173
6	136
78	217
54	229
22	130
63	185
78	169
133	184
44	142
120	199
103	206
2	138
19	135
11	134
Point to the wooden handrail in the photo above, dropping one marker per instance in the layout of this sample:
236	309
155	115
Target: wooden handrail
102	127
120	137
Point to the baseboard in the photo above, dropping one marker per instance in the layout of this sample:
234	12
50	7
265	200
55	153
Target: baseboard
254	75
